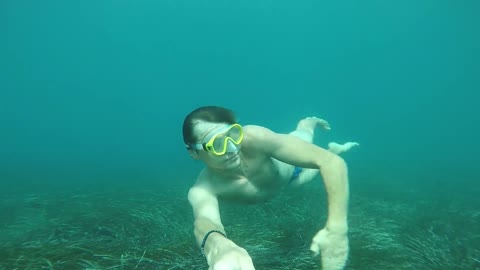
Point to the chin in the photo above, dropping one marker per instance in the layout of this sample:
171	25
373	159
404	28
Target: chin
225	162
232	161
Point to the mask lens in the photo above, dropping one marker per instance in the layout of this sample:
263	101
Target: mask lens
235	133
219	143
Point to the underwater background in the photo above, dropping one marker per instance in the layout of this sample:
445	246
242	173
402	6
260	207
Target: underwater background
94	173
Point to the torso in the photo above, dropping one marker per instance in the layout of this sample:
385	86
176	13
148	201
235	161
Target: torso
257	179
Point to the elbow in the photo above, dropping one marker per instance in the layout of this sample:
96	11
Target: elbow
339	163
335	163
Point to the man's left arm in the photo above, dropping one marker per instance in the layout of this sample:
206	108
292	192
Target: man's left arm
331	241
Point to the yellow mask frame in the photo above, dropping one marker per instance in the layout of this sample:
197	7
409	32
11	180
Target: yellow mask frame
217	147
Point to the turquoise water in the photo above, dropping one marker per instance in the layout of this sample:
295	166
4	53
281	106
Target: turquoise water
93	93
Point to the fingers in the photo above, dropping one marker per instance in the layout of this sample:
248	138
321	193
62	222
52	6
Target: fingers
352	144
318	241
239	264
325	124
225	265
315	249
247	267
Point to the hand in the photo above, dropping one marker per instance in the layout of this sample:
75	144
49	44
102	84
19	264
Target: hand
231	257
333	246
324	124
340	148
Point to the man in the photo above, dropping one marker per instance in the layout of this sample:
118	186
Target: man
252	164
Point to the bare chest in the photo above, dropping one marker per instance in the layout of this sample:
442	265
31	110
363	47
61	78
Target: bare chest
257	181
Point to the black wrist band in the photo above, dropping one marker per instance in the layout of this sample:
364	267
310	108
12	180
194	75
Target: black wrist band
205	239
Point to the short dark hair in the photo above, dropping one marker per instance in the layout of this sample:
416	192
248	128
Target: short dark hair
213	114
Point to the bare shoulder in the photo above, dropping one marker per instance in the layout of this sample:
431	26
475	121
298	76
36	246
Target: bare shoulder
256	129
256	134
201	190
261	139
197	194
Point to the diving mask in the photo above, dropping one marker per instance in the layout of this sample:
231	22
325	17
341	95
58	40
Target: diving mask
225	140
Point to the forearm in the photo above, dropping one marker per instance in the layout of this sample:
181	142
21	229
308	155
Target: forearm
201	227
335	177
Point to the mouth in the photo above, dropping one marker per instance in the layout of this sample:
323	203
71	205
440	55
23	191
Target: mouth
231	157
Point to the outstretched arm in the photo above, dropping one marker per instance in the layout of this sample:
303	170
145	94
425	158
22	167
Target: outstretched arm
207	217
220	252
331	241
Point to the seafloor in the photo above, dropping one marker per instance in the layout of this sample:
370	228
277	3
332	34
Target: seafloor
392	226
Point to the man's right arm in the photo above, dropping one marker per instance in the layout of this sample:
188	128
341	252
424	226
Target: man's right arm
220	252
207	217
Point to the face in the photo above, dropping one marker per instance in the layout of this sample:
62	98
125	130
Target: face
204	131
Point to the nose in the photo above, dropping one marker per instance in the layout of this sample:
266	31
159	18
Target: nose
231	147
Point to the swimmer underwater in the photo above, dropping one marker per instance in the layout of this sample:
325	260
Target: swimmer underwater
250	164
